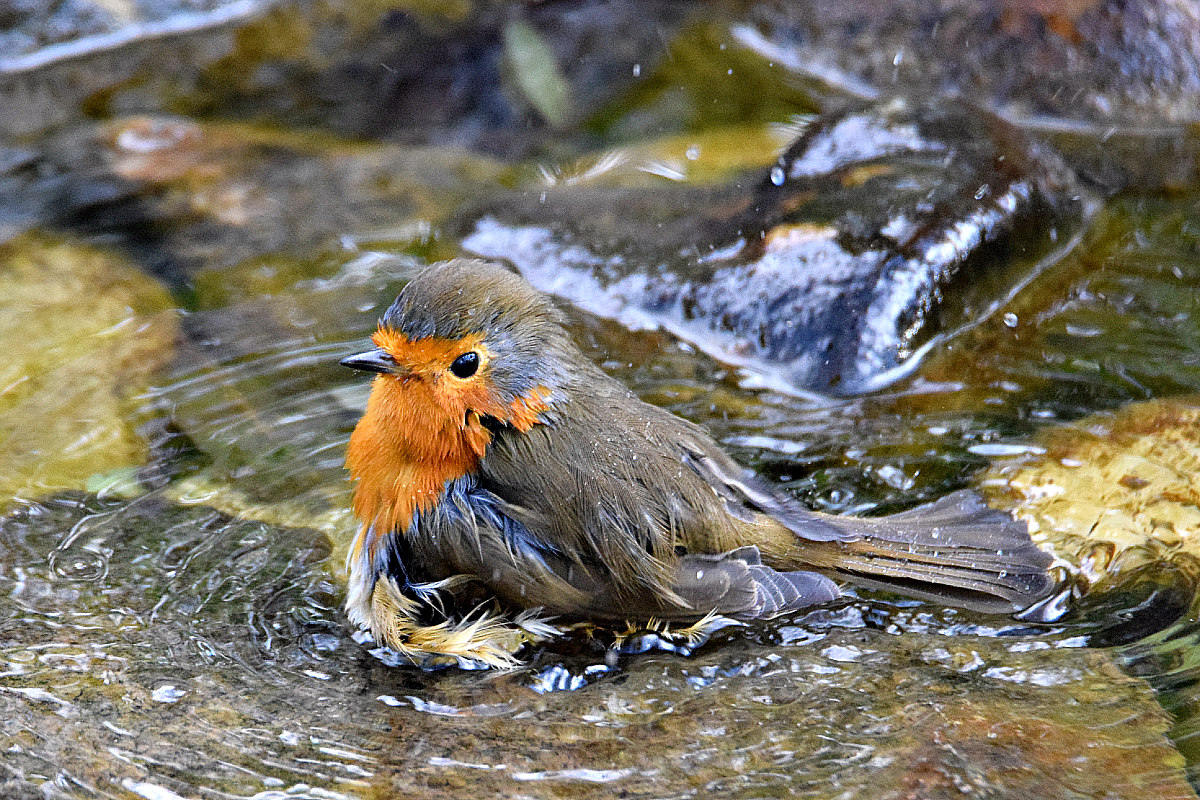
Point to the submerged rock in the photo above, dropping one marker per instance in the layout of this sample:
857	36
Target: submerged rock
1114	494
833	272
83	332
1117	498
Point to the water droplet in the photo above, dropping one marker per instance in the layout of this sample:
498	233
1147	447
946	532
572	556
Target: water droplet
637	70
1011	319
777	175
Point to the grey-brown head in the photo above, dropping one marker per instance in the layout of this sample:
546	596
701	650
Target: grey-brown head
475	328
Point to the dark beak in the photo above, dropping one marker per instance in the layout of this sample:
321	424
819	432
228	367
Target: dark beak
371	361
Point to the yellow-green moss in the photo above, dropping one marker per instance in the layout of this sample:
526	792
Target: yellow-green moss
82	330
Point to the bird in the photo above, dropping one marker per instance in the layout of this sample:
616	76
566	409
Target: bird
493	453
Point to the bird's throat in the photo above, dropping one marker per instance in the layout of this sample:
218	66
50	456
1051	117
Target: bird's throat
405	449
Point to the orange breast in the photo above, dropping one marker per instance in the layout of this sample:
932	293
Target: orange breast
422	430
404	450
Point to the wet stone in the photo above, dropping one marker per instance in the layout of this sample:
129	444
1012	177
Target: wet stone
1109	63
1114	85
184	196
83	332
877	234
1115	497
1113	493
55	58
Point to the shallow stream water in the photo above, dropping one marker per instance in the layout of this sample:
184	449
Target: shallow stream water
174	424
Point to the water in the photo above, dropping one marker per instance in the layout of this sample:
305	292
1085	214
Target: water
153	644
173	423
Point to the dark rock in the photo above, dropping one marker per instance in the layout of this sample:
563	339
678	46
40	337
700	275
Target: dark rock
873	238
183	197
1114	83
1111	62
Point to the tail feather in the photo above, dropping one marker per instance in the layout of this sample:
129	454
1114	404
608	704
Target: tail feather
956	550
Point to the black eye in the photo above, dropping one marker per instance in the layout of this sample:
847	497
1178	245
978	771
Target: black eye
465	365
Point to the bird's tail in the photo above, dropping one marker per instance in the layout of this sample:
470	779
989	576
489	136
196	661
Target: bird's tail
956	551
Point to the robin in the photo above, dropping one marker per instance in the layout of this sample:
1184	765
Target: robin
493	452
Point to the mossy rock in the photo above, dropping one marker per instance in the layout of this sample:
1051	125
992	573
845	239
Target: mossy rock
82	331
1112	492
